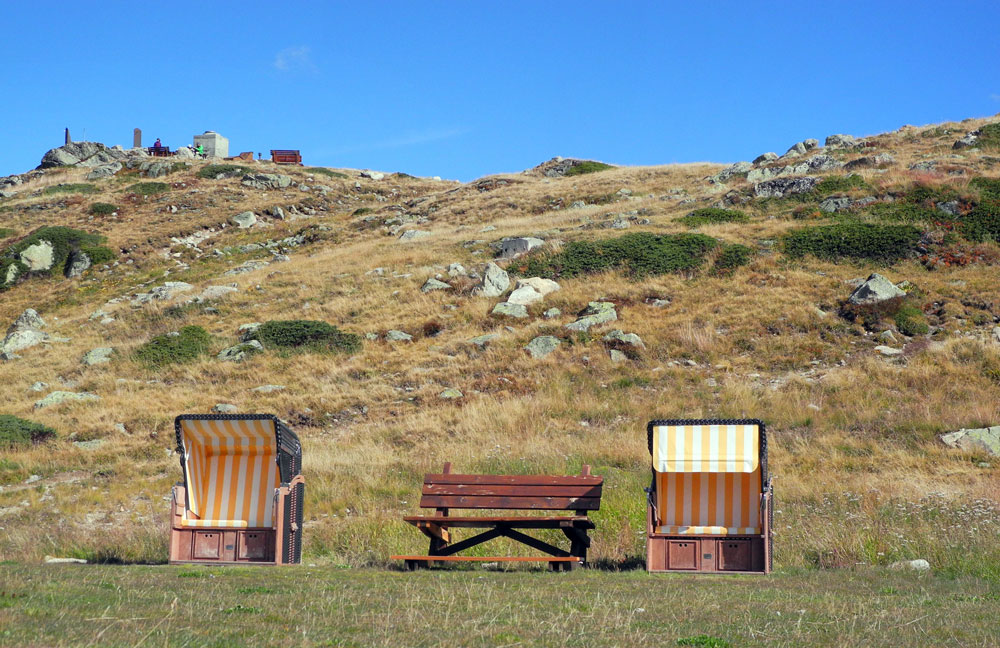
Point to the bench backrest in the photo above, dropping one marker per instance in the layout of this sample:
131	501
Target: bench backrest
535	492
284	155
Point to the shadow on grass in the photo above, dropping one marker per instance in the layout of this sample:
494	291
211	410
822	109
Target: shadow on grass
630	563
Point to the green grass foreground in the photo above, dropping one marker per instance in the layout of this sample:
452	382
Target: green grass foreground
76	605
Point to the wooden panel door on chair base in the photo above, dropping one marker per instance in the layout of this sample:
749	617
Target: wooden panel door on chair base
215	546
743	554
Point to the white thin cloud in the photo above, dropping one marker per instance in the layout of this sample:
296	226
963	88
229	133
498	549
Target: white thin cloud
995	97
293	58
408	139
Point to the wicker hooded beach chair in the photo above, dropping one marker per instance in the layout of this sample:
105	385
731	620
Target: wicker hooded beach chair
241	498
710	501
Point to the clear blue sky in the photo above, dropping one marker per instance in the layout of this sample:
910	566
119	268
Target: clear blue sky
464	89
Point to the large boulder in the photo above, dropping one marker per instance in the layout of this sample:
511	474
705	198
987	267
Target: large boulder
24	333
104	171
505	309
840	141
595	313
241	351
413	235
495	282
875	289
244	220
780	187
266	181
870	161
79	262
968	141
542	346
513	247
29	319
100	355
765	157
541	285
433	284
85	154
524	295
39	257
975	440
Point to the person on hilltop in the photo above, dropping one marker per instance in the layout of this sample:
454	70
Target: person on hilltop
200	151
157	144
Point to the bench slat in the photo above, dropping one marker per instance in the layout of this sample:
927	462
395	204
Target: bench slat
515	491
515	480
517	522
492	558
510	502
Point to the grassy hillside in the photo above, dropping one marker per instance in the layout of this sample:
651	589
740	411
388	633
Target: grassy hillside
860	476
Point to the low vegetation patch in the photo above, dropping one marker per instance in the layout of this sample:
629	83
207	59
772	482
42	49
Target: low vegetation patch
639	254
588	166
149	188
101	209
17	432
185	345
6	232
78	188
731	257
220	171
713	215
869	241
330	173
989	136
910	320
840	184
902	212
306	335
64	241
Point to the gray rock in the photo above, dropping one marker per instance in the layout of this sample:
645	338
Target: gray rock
968	141
121	429
552	313
184	152
795	150
595	313
224	408
888	352
542	286
85	154
79	262
975	440
245	267
38	257
372	175
619	339
247	331
268	389
875	289
914	565
457	270
266	181
413	235
394	335
765	157
617	356
90	445
104	171
840	141
996	334
513	247
433	284
212	293
39	386
167	291
244	220
483	341
887	337
542	346
951	207
60	397
832	204
495	282
155	168
780	187
524	295
29	319
870	161
504	309
100	355
730	171
52	560
450	394
810	144
22	339
241	351
821	163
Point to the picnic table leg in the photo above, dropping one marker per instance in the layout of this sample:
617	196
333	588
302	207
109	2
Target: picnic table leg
579	542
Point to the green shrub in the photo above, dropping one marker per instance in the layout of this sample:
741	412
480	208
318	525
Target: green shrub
361	211
214	171
982	223
327	172
989	188
732	257
178	166
705	641
187	344
306	335
98	254
82	188
17	432
149	188
910	320
712	215
853	240
6	232
840	184
927	195
101	209
903	212
64	241
989	136
638	254
588	166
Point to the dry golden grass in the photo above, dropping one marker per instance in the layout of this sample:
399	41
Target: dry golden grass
842	420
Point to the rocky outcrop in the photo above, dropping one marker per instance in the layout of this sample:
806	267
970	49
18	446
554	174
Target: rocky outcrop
495	282
24	333
780	187
85	154
514	247
266	181
244	220
241	351
413	235
60	397
433	284
100	355
542	346
975	440
166	292
595	313
875	289
505	309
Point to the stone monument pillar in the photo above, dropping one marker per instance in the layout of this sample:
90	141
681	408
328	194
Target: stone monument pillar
137	138
68	140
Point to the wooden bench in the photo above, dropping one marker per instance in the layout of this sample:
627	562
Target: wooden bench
286	157
159	151
448	490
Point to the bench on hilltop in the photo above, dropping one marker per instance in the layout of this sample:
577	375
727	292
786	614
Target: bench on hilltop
159	151
447	490
279	156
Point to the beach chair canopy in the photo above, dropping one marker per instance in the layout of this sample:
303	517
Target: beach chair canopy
707	478
232	465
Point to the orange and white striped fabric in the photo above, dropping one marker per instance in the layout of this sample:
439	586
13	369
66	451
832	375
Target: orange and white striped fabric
231	473
707	479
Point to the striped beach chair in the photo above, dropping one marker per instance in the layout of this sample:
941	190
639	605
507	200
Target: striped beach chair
710	501
241	498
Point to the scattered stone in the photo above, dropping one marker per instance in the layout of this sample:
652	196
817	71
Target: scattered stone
765	157
266	181
224	408
244	220
657	303
79	262
834	204
450	394
542	286
413	235
120	428
32	479
394	335
996	334
215	292
241	351
514	247
968	141
950	207
840	141
100	355
524	295
59	397
552	313
90	445
39	386
975	440
24	333
245	267
914	565
38	257
730	171
483	341
104	171
267	389
595	313
887	337
372	175
167	291
542	346
780	187
505	309
433	284
457	270
870	161
495	282
618	338
875	289
52	560
888	352
246	331
617	356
